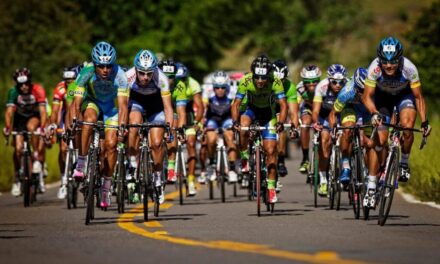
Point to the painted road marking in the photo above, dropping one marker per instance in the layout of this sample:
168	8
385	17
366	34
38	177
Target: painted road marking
152	223
319	257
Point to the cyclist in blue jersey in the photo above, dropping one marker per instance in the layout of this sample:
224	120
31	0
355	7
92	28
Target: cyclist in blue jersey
150	100
98	86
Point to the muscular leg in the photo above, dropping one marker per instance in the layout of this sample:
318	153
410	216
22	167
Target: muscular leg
407	119
135	117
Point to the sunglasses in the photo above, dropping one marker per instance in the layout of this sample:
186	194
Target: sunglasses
219	87
340	82
309	81
104	66
142	73
261	77
396	61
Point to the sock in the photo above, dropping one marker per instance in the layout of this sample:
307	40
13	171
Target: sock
305	154
371	182
63	179
270	184
81	162
345	163
133	162
404	159
281	159
158	178
323	176
244	154
171	164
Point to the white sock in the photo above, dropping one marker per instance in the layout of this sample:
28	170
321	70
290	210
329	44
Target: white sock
371	182
133	161
323	176
63	179
345	163
158	178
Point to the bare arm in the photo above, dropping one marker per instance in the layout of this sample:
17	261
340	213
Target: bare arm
332	119
199	104
181	115
55	112
168	109
8	116
123	110
420	103
235	110
293	109
43	115
315	111
283	110
367	99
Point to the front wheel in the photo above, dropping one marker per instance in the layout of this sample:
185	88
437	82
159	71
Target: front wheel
387	191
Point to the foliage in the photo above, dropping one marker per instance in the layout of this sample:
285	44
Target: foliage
425	40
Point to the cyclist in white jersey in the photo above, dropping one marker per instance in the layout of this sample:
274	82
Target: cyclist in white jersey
150	100
393	81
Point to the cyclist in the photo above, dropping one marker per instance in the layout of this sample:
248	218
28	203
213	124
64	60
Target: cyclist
311	76
98	86
393	81
325	95
26	111
57	119
349	105
281	71
179	99
262	90
150	100
218	114
194	110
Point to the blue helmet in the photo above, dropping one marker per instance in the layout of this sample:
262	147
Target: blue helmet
182	71
359	76
146	61
103	54
390	49
336	71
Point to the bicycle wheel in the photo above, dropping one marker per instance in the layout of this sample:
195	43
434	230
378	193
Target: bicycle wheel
387	192
211	189
251	175
333	172
356	180
258	179
26	179
69	186
179	171
222	175
144	176
91	175
120	183
315	175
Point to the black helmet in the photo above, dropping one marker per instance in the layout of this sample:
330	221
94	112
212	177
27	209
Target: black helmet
168	67
22	75
280	69
261	67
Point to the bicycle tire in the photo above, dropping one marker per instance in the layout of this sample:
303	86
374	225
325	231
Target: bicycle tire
258	179
91	172
211	189
386	198
180	173
69	186
222	176
120	183
26	180
315	175
333	178
357	175
145	183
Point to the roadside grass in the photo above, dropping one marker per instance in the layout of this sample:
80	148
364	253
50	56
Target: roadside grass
425	165
7	166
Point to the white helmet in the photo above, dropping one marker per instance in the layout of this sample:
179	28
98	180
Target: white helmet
220	79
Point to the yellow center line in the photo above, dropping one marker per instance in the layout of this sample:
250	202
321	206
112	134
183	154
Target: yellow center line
126	222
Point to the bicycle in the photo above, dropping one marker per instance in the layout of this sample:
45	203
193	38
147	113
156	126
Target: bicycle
313	172
181	167
356	187
29	181
71	156
222	166
145	178
121	170
335	189
92	182
389	182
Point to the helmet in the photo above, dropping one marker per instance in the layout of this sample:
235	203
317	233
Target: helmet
168	67
389	49
145	60
310	72
359	76
182	71
220	79
70	72
22	75
336	71
261	66
280	69
103	54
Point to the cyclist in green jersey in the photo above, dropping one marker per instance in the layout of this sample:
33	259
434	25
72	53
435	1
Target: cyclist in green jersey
281	71
262	90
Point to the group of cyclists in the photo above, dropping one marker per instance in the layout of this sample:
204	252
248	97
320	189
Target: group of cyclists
163	92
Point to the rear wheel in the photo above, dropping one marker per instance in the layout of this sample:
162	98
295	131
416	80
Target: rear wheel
26	180
356	180
222	176
91	173
120	183
258	179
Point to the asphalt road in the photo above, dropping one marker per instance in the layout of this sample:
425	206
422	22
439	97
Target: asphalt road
209	231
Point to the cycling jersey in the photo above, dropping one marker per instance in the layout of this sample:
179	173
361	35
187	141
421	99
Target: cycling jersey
290	91
407	77
325	96
193	88
27	104
349	102
260	98
60	94
219	110
100	94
